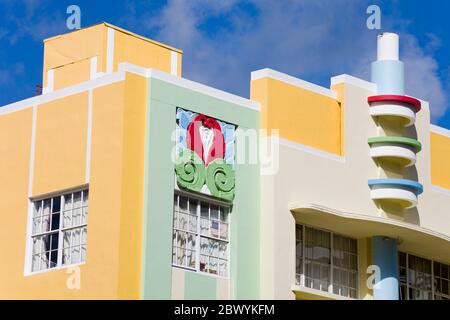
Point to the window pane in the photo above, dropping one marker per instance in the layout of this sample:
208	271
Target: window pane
223	231
67	222
204	263
419	278
67	239
204	210
66	256
191	241
85	198
77	200
175	220
213	265
68	202
192	207
36	225
76	254
84	236
445	287
47	204
53	258
214	228
204	226
83	253
214	212
224	214
445	271
76	237
223	252
204	246
56	205
37	209
84	216
54	237
183	204
43	261
193	223
55	221
192	216
181	257
181	238
35	262
402	259
76	217
223	269
45	223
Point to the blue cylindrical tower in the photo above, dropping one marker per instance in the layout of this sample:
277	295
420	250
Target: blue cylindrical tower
384	256
388	72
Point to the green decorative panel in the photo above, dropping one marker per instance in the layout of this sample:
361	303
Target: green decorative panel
190	170
205	155
220	179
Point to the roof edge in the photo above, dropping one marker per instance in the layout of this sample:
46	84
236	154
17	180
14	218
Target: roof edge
106	24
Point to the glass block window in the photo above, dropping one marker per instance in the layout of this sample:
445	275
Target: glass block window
59	230
200	235
345	266
441	281
422	279
326	262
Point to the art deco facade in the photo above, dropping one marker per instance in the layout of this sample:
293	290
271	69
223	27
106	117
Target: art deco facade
124	180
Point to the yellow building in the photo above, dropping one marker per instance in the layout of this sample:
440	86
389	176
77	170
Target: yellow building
98	202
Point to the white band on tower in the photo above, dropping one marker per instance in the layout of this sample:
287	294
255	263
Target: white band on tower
388	46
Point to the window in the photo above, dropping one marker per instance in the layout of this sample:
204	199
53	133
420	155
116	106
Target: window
422	279
326	262
441	281
200	235
59	230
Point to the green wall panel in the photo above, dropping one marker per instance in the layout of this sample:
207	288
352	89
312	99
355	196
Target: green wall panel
245	216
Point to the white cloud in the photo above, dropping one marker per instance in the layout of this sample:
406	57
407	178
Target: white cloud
422	78
310	39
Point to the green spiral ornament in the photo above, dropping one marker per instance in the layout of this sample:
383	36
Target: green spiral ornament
190	170
220	179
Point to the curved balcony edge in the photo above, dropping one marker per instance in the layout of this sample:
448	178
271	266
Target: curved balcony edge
410	101
400	190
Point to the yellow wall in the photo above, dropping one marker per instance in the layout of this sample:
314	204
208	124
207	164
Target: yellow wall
15	134
132	206
75	46
301	115
61	135
141	52
114	242
71	74
440	160
69	54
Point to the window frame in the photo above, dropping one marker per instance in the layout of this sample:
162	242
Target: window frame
198	235
28	270
300	279
408	286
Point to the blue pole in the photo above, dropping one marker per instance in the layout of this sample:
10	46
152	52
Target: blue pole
384	254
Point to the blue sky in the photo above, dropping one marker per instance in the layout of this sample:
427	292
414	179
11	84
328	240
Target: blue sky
224	40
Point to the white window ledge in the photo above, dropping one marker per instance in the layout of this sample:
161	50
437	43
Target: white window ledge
318	293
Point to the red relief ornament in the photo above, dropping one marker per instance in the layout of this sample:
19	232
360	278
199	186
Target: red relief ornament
204	137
